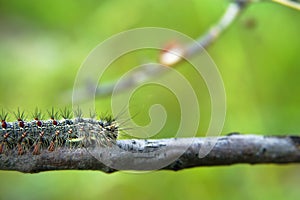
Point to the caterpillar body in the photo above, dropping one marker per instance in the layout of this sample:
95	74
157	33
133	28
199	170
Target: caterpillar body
23	137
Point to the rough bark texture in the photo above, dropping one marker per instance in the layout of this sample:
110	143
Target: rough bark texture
166	154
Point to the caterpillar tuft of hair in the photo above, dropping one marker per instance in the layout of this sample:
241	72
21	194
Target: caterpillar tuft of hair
61	130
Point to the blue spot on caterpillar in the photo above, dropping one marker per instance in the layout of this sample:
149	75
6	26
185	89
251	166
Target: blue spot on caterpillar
23	137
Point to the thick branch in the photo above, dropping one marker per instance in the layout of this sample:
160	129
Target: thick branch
167	154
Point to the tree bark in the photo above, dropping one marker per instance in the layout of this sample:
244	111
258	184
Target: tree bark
162	154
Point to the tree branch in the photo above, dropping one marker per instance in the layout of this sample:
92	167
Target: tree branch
171	56
185	50
149	154
291	4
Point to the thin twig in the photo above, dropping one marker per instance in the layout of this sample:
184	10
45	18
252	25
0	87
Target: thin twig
288	3
232	12
168	154
173	56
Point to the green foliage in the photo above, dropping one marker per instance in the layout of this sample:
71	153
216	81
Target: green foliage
43	44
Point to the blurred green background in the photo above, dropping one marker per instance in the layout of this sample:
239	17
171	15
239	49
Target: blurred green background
43	43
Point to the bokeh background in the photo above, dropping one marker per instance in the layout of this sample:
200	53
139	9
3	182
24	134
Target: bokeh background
43	43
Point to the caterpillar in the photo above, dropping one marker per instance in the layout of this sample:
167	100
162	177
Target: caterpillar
22	137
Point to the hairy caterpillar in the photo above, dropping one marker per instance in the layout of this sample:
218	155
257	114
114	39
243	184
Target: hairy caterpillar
23	137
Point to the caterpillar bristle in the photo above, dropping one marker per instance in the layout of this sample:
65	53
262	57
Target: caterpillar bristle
1	148
19	115
78	113
37	114
53	114
36	149
3	117
92	114
65	113
38	135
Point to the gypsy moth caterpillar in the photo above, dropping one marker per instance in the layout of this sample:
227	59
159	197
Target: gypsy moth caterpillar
60	130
